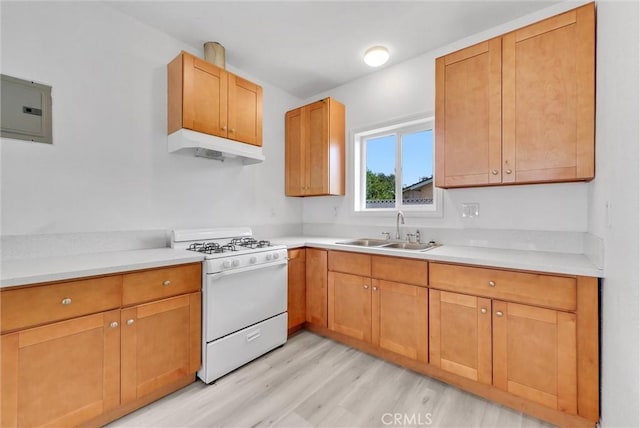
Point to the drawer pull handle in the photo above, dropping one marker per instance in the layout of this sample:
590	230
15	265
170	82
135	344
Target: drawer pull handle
499	314
130	322
253	335
492	283
166	283
483	310
66	301
113	324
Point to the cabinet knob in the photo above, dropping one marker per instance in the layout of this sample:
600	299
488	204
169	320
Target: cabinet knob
366	287
232	130
508	171
492	283
499	314
483	310
130	322
375	288
114	324
66	301
494	171
166	283
224	128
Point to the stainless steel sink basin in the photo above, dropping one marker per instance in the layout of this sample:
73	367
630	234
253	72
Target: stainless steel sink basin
383	243
410	245
366	242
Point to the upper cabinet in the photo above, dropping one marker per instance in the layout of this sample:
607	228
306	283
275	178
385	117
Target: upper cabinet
519	108
314	153
208	99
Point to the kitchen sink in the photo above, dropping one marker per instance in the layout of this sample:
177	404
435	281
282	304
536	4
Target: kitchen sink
383	243
366	242
410	245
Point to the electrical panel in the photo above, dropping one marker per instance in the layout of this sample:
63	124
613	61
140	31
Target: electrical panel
25	110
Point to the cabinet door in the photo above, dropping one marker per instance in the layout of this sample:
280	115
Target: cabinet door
317	140
534	354
460	334
61	374
349	305
399	318
316	276
295	154
245	111
160	344
468	116
204	105
548	104
296	296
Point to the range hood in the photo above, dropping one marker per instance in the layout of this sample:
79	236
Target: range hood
212	147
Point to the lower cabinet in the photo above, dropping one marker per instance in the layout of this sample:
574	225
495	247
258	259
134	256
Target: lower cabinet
160	344
399	318
530	352
350	305
296	290
390	315
316	287
524	339
534	354
460	335
61	374
93	368
533	336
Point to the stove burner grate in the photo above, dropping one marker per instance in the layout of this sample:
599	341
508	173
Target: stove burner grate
235	244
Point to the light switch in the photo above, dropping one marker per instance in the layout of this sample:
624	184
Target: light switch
470	210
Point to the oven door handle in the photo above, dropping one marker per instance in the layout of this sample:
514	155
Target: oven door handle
246	269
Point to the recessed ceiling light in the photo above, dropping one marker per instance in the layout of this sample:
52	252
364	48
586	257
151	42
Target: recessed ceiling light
376	56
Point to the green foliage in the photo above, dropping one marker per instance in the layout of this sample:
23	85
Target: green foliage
380	186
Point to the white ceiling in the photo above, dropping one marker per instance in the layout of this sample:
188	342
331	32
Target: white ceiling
307	47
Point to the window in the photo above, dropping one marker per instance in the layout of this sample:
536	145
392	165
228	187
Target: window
394	167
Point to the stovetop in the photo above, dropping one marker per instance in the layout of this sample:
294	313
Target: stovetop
221	242
245	243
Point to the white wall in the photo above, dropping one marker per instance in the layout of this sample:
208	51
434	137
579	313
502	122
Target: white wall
408	88
617	185
108	168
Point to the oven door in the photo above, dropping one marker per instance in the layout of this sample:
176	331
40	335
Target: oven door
239	298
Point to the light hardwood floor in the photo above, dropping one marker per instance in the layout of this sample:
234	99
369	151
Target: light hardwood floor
316	382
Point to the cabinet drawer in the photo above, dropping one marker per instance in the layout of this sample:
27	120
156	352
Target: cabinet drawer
535	289
160	283
53	302
353	263
396	269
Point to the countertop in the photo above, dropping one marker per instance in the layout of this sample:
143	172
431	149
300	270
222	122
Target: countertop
38	270
33	271
537	261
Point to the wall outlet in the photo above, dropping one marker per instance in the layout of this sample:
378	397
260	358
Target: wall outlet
470	210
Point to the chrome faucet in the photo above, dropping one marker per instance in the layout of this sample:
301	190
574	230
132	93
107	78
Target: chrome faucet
399	216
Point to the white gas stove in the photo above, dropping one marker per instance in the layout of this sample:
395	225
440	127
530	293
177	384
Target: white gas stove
244	296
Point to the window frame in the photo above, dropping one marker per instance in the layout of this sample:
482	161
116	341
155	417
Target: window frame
397	127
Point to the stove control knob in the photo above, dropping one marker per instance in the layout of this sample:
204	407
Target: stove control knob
276	256
226	264
269	256
253	260
235	263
